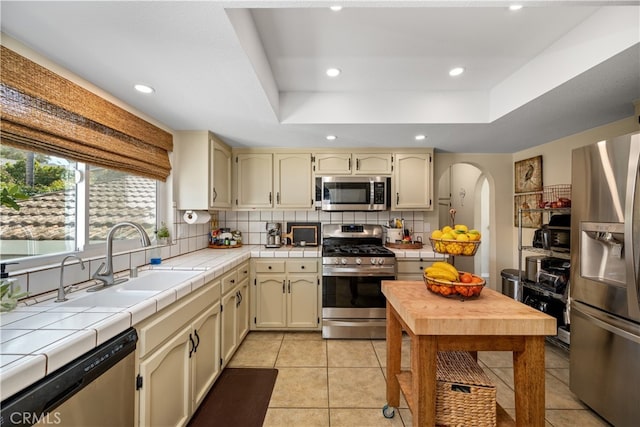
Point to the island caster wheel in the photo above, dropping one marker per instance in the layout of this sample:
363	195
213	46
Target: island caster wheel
388	411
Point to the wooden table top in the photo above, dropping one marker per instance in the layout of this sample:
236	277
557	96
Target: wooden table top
492	313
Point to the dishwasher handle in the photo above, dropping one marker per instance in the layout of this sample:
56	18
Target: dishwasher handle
57	387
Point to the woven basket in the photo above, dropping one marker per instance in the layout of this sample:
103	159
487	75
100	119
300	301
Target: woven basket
465	395
454	247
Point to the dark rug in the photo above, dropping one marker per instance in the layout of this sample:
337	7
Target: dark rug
239	398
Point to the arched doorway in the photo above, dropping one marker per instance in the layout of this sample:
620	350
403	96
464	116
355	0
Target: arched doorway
465	188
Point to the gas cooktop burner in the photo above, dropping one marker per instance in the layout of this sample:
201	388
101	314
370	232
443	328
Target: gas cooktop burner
356	250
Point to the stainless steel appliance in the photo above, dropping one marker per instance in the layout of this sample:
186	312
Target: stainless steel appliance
605	309
96	389
274	235
354	193
354	264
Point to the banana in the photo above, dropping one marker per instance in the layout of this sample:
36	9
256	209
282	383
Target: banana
445	266
439	273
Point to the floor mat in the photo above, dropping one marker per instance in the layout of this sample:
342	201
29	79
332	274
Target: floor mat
239	397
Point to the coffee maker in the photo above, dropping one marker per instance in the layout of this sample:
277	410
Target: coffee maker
274	235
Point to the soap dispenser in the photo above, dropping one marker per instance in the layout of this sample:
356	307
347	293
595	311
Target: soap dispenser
9	293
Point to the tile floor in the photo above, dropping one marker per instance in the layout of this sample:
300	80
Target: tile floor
342	382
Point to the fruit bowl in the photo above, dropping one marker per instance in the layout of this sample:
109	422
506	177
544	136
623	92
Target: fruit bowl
461	290
454	247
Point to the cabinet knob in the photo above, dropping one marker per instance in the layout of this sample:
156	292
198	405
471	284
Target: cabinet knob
302	267
269	267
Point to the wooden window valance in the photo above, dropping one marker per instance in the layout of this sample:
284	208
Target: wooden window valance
44	112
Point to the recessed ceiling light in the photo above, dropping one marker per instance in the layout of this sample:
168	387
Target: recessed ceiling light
144	88
333	72
456	71
515	7
420	137
331	137
336	8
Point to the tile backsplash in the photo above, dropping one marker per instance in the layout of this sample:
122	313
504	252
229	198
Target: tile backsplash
252	224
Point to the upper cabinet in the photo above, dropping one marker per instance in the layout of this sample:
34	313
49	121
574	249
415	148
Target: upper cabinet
203	171
266	181
412	181
254	180
293	181
352	163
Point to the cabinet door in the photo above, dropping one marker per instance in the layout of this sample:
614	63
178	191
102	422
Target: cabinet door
413	182
372	164
333	163
191	165
270	302
412	269
243	310
220	187
205	360
254	181
165	397
302	301
229	327
293	181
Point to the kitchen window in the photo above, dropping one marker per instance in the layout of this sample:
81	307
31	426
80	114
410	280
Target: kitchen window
66	206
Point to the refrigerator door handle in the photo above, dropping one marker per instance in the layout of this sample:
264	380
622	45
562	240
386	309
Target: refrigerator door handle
632	229
610	323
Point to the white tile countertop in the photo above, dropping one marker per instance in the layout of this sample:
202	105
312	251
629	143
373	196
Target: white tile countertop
37	339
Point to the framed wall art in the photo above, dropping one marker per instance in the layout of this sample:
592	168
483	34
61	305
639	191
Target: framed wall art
527	201
528	175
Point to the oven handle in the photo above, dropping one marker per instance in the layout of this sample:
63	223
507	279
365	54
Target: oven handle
354	322
359	272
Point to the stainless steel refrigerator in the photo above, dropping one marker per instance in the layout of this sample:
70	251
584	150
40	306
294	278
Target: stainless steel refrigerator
605	265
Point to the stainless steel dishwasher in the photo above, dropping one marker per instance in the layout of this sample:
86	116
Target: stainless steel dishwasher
96	389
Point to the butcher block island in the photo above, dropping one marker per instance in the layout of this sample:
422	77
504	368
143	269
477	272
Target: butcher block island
490	322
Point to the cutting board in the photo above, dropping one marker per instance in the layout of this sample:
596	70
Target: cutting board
307	231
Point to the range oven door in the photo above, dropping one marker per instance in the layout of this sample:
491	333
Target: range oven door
353	307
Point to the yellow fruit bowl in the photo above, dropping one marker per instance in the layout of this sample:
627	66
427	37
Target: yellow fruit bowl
462	290
454	247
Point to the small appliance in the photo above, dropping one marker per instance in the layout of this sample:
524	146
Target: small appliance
354	193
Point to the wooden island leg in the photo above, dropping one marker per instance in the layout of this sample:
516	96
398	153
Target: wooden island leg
394	354
424	350
529	372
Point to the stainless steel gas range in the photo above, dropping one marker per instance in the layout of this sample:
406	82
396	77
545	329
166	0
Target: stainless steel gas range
354	264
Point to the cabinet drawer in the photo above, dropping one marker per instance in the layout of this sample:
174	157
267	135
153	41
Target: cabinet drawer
302	266
243	272
156	330
413	267
271	266
229	281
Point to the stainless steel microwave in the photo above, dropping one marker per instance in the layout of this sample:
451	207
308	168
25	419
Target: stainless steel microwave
354	193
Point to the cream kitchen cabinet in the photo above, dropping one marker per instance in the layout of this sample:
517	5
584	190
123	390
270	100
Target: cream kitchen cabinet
280	181
412	268
178	358
412	181
203	170
235	311
293	181
352	163
286	294
254	180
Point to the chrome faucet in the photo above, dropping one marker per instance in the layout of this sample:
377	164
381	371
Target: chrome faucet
62	293
105	274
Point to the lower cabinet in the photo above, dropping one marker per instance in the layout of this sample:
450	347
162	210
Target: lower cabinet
413	268
235	311
286	294
178	358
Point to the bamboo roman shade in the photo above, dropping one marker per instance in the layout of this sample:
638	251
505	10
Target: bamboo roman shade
44	112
